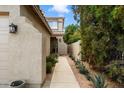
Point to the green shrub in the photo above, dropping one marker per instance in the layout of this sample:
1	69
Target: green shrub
102	34
54	55
72	34
120	79
98	81
52	60
113	72
49	67
116	73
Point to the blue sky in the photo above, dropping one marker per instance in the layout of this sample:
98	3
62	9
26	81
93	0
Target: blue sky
59	11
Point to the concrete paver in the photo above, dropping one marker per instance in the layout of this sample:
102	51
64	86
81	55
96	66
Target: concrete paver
63	76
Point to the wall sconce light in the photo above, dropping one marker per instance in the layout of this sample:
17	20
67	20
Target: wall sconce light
13	28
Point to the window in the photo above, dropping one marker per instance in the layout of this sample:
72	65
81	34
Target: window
60	26
53	25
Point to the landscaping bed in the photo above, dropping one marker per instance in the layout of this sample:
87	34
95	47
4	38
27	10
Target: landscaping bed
83	79
109	82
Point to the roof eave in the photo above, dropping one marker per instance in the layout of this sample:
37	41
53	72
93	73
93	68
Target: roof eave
42	17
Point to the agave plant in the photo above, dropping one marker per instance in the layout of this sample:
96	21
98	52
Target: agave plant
77	63
83	70
98	81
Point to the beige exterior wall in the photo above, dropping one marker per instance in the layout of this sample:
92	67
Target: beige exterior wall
62	47
5	75
25	53
14	11
45	35
75	49
28	48
58	33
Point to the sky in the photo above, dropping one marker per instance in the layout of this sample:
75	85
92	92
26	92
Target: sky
59	11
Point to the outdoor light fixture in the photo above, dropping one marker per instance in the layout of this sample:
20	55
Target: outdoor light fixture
13	28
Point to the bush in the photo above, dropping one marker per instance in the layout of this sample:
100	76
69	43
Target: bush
102	36
116	73
54	55
52	59
120	79
49	67
72	34
98	81
113	72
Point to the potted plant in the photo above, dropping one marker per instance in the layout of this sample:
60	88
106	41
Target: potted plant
17	84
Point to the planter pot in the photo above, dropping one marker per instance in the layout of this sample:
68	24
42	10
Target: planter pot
17	84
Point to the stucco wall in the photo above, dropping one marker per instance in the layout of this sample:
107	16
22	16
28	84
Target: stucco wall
62	47
28	48
24	11
25	54
14	11
74	50
5	75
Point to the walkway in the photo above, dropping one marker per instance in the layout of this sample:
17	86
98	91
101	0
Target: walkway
63	76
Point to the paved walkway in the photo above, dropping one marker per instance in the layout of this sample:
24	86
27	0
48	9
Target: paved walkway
63	76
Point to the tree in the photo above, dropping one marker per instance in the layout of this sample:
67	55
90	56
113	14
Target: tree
102	37
102	32
72	34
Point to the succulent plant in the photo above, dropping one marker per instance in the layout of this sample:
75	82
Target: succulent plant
77	63
82	69
98	81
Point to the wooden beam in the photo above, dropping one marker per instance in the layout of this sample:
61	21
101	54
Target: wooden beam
4	13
